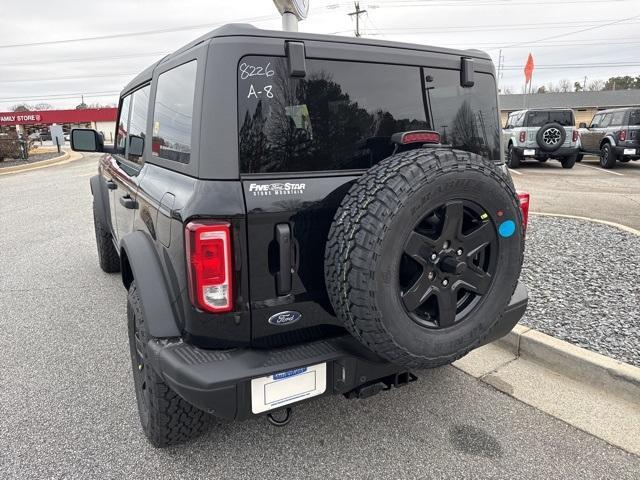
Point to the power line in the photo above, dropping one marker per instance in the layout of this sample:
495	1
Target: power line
83	59
40	79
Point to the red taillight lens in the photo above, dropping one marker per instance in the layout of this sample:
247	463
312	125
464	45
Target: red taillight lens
622	135
208	245
576	134
523	136
420	137
524	207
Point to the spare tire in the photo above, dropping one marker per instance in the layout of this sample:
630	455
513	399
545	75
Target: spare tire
551	136
424	254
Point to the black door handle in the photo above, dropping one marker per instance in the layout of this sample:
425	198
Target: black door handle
111	185
283	277
128	202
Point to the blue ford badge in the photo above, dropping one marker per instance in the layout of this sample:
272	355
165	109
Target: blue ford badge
285	318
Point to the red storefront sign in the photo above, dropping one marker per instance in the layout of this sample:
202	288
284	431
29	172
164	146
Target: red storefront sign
47	117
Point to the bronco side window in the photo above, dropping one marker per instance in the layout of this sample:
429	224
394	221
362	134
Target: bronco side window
138	125
123	125
173	113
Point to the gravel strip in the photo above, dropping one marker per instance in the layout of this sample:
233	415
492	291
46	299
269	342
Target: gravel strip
584	285
35	158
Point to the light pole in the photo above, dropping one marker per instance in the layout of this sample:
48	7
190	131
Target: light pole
292	12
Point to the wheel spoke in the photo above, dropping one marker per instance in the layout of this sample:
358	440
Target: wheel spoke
478	239
475	280
419	247
452	221
418	293
447	303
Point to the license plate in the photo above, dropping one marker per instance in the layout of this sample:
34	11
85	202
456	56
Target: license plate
283	388
529	151
629	151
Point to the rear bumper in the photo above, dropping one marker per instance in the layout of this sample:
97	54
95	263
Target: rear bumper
219	381
561	152
620	151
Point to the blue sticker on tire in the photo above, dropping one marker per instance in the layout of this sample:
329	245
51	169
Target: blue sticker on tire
507	228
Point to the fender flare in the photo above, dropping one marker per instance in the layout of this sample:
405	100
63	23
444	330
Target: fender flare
101	200
608	138
146	269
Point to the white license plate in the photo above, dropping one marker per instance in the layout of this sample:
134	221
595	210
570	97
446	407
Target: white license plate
529	151
283	388
629	151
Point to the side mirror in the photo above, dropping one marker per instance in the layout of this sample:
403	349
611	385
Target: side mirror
86	140
582	125
136	145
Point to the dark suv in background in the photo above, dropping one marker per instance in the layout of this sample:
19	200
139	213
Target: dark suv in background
295	215
614	135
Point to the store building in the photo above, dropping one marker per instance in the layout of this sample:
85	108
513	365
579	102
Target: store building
584	104
100	119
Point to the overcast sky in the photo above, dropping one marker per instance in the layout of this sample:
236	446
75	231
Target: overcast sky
569	39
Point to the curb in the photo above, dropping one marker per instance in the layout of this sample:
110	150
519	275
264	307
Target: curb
574	362
589	219
66	157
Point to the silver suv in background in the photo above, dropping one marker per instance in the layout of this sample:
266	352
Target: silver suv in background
541	134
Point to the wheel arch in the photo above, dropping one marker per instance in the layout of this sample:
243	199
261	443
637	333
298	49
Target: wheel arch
140	262
101	200
608	140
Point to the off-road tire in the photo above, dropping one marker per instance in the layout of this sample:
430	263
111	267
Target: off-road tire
579	157
513	157
166	418
107	253
607	156
552	126
568	162
364	237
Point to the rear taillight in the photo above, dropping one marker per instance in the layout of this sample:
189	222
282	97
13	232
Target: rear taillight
523	136
420	137
622	135
524	207
576	135
208	245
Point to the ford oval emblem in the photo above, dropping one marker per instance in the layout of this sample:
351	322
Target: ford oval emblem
285	318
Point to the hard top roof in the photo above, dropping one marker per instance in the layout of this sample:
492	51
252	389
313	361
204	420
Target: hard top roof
246	30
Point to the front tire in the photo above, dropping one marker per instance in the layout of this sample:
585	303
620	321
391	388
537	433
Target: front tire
166	418
513	158
568	162
607	156
107	253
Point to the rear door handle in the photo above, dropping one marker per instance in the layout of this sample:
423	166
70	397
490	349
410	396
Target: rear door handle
283	277
111	185
128	202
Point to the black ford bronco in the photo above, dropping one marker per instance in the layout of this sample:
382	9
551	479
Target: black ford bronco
296	215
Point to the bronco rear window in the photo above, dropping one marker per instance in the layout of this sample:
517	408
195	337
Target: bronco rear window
340	116
538	119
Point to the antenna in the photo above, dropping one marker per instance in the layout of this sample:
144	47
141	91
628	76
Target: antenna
292	12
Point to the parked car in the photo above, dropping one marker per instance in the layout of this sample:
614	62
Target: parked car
614	135
288	222
541	134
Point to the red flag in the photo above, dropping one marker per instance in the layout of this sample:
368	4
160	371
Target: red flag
528	68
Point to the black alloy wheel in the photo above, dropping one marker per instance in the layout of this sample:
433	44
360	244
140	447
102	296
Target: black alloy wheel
139	372
448	264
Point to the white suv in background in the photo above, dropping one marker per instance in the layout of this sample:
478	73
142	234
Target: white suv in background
541	134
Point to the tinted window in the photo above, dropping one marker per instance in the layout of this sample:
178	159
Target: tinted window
634	117
617	118
340	116
123	125
540	118
606	120
173	113
466	118
138	124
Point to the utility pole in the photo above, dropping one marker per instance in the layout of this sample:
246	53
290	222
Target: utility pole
584	85
500	60
357	13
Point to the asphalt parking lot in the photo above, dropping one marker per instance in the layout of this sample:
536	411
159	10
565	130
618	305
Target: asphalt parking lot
68	409
585	190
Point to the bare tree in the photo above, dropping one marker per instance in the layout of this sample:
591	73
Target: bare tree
508	90
596	85
564	85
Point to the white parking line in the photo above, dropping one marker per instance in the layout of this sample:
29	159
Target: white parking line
515	171
600	169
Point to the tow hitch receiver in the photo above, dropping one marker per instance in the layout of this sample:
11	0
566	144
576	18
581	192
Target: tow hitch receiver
372	388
